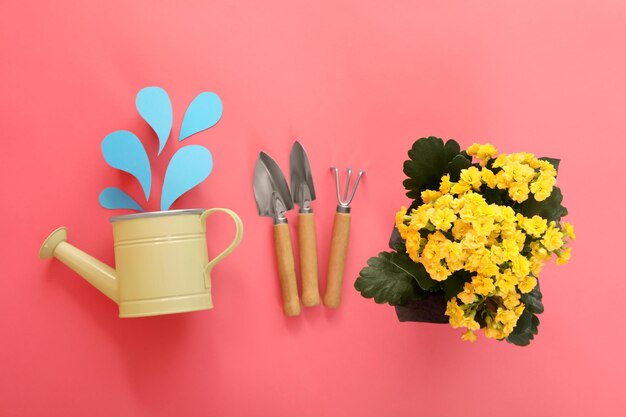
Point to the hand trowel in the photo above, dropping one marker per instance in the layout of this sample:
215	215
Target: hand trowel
274	200
303	193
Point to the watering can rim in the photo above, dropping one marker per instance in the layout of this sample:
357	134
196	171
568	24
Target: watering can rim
155	214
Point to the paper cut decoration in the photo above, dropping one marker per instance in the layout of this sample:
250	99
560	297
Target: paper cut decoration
204	112
154	105
114	198
188	167
123	150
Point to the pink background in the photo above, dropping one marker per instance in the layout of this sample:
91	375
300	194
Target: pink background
357	83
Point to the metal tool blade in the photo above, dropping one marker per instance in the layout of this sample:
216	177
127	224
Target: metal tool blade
271	191
302	189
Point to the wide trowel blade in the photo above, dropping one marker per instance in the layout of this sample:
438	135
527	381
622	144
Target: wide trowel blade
302	189
270	188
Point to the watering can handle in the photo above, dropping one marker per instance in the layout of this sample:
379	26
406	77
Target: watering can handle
233	244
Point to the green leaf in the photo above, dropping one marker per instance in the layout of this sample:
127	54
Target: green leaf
390	278
525	329
427	162
550	208
417	270
455	283
455	166
533	300
451	149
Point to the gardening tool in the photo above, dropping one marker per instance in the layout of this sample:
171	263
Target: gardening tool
161	263
339	241
274	200
303	194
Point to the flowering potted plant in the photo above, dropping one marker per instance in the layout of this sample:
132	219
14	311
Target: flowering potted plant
470	247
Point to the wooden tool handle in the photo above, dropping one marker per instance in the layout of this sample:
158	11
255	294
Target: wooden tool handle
308	259
337	260
286	270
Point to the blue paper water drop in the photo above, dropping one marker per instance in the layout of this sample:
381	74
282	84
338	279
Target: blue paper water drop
154	105
204	112
123	150
188	167
114	198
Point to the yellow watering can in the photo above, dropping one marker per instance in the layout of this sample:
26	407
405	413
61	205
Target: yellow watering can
161	261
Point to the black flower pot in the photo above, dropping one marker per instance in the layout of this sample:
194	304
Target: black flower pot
427	310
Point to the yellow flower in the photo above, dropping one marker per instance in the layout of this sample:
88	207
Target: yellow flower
542	187
472	150
536	265
512	300
475	256
494	333
527	284
460	229
489	178
568	230
471	176
487	268
520	265
483	285
539	251
547	168
518	191
467	295
493	330
520	238
497	255
473	241
413	244
483	225
445	185
534	226
470	323
482	152
469	336
455	258
420	217
507	214
400	217
438	272
506	282
503	179
510	249
529	159
459	188
564	256
442	218
522	172
444	201
455	313
552	239
429	196
506	317
500	161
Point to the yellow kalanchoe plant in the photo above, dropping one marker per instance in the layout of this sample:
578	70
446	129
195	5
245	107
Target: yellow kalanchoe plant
481	239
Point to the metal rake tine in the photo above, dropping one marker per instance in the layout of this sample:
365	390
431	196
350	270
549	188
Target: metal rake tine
345	202
348	178
356	184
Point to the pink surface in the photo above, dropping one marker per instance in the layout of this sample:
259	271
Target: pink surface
356	82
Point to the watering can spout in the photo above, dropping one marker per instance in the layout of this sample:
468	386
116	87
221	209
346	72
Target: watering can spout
98	274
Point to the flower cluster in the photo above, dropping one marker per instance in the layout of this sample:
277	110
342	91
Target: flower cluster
457	229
